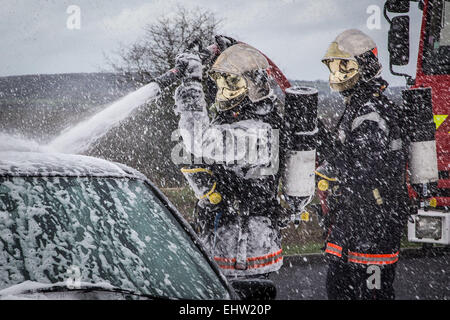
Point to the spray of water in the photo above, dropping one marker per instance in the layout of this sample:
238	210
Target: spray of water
78	138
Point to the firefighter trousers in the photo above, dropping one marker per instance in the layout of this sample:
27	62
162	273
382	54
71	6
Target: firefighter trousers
353	281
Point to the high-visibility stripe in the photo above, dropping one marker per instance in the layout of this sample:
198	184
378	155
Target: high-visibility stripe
260	265
221	259
372	116
253	262
324	176
195	170
371	262
370	255
333	252
368	258
333	249
266	256
307	133
334	246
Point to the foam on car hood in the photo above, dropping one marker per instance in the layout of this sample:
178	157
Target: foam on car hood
56	164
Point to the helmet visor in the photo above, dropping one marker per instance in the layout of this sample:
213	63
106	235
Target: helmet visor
343	73
342	70
231	89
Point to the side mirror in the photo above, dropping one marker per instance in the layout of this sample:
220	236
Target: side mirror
398	41
254	289
397	6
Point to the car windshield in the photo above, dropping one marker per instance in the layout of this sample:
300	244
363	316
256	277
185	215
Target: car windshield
98	230
436	58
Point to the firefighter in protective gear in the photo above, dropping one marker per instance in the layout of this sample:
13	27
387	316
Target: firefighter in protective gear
239	140
364	158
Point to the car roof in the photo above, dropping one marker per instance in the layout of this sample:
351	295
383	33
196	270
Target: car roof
18	163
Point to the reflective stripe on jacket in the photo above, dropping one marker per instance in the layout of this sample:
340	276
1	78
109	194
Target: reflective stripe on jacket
252	263
362	258
366	258
334	249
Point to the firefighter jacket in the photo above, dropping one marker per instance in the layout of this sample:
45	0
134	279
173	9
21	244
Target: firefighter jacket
235	176
369	211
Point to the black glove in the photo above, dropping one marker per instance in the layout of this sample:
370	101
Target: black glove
224	42
210	53
189	65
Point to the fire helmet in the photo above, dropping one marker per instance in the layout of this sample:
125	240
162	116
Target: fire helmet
240	71
351	57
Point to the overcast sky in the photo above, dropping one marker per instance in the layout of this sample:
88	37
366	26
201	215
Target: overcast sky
293	33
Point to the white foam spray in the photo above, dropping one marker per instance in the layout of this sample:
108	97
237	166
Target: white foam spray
78	138
19	143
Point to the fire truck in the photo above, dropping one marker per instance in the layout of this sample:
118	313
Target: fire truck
426	100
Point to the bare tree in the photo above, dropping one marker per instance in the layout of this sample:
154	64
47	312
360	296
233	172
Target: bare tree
170	35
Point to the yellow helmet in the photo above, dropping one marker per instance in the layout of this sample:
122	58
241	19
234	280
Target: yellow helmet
351	57
240	71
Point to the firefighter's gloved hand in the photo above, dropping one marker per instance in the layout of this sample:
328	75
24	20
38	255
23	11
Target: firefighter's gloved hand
327	178
223	42
190	97
189	65
211	52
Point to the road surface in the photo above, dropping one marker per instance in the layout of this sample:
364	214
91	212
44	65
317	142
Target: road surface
419	275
